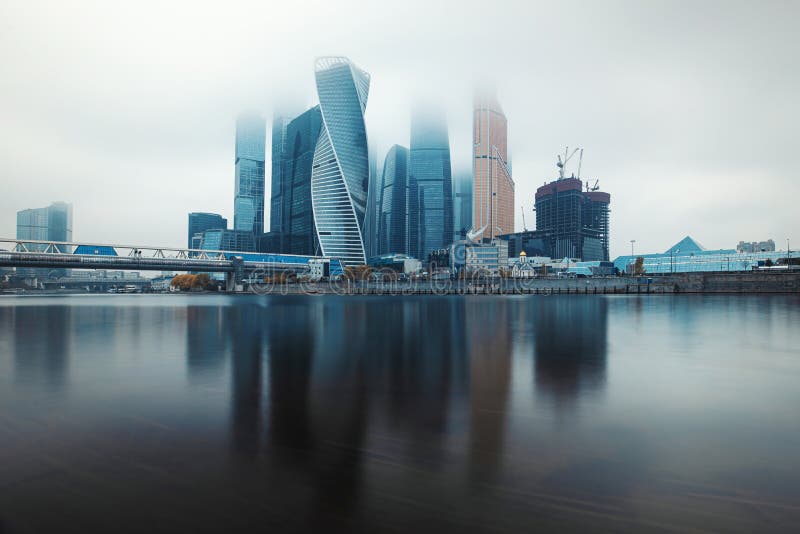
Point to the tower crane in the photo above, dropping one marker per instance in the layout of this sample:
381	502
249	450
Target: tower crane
524	226
562	163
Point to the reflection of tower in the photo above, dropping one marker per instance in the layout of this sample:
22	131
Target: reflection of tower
570	343
206	339
42	337
246	323
340	175
489	346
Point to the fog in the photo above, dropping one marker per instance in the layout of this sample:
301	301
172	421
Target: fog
687	111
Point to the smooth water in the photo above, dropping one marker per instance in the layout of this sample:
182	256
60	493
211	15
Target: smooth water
509	414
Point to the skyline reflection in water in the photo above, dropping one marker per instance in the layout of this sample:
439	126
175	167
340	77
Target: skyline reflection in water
453	413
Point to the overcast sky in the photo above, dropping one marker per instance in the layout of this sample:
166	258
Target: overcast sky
688	111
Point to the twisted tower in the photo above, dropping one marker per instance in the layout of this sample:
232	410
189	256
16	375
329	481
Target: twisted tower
340	172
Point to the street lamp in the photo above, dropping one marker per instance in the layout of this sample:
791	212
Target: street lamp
632	242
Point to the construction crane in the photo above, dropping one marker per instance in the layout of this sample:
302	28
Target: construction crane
524	226
595	187
561	164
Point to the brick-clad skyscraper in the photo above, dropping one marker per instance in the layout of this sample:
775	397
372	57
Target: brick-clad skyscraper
493	187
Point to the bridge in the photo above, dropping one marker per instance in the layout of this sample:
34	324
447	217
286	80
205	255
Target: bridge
236	265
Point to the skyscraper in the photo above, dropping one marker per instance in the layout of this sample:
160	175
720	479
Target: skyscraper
431	225
462	205
248	204
493	187
298	233
279	125
200	222
52	223
340	175
373	206
392	220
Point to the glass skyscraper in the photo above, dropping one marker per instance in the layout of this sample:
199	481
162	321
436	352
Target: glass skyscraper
340	174
493	187
279	126
430	184
200	222
298	233
462	205
52	223
248	204
392	220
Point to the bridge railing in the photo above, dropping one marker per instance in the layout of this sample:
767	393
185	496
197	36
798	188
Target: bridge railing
112	249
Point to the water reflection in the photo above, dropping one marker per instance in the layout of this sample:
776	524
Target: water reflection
570	341
371	414
42	337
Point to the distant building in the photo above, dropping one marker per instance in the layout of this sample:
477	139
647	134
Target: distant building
340	175
296	231
462	205
373	206
230	240
688	256
430	203
469	258
400	263
493	188
392	220
199	222
52	223
756	246
248	203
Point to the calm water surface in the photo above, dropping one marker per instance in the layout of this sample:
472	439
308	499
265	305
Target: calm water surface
448	414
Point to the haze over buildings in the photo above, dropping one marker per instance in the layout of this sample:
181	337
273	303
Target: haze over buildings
687	111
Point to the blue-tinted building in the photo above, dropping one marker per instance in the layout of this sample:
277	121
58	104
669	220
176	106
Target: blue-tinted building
248	204
279	125
233	240
393	216
52	223
688	256
298	234
340	173
199	222
462	205
430	184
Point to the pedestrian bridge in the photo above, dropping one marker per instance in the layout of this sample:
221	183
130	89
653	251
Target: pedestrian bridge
69	255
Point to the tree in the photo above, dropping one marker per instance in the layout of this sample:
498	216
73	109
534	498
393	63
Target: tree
638	267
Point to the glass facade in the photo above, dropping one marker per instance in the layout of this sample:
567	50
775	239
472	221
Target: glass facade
248	207
279	135
430	175
53	223
299	233
462	205
232	240
392	220
340	172
200	222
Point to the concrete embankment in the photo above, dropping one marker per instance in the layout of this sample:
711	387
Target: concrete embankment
756	282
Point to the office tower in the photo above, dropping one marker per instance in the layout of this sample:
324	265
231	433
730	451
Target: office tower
279	125
493	187
52	223
229	240
373	206
431	176
298	234
248	204
200	222
462	205
392	220
340	176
